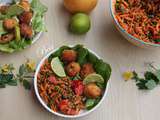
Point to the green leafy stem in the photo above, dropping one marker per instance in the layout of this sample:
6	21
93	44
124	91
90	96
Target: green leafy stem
150	80
24	76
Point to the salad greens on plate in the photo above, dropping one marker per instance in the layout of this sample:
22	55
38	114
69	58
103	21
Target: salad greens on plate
21	23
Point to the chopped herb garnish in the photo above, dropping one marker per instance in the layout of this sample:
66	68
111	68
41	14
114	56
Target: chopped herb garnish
157	40
117	6
154	23
149	34
150	16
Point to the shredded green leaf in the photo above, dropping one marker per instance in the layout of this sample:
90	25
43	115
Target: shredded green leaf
14	10
2	30
38	19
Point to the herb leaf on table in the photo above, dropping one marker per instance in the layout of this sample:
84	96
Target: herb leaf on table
26	84
151	84
6	76
158	74
150	80
25	74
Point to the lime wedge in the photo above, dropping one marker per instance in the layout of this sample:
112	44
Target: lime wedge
57	67
93	78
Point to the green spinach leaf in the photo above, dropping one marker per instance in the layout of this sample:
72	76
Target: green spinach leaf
77	47
82	55
90	103
92	58
103	69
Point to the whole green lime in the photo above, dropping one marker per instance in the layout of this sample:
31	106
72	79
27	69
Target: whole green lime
80	23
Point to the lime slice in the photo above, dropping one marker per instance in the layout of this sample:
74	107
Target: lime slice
57	67
93	78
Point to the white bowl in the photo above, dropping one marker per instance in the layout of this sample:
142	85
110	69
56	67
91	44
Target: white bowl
82	113
128	36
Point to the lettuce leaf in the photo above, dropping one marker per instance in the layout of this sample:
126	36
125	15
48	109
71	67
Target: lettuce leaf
19	45
38	24
6	48
2	17
2	30
37	21
12	11
38	7
15	45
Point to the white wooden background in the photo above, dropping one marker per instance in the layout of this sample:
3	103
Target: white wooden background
124	101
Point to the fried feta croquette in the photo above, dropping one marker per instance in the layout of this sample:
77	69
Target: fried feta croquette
69	55
26	17
3	9
26	30
25	4
92	90
86	70
73	69
9	24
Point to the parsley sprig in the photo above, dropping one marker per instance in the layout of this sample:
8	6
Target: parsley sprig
150	80
24	76
6	76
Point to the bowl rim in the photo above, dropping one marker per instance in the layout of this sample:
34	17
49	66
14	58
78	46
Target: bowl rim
60	114
111	7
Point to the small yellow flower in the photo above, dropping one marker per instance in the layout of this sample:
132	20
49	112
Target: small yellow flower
31	65
5	68
128	75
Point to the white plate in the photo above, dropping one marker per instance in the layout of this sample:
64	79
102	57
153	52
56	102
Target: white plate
82	113
37	36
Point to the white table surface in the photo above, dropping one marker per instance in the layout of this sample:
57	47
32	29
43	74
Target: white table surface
124	100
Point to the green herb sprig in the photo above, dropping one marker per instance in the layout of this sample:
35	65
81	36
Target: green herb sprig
6	76
150	80
25	75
